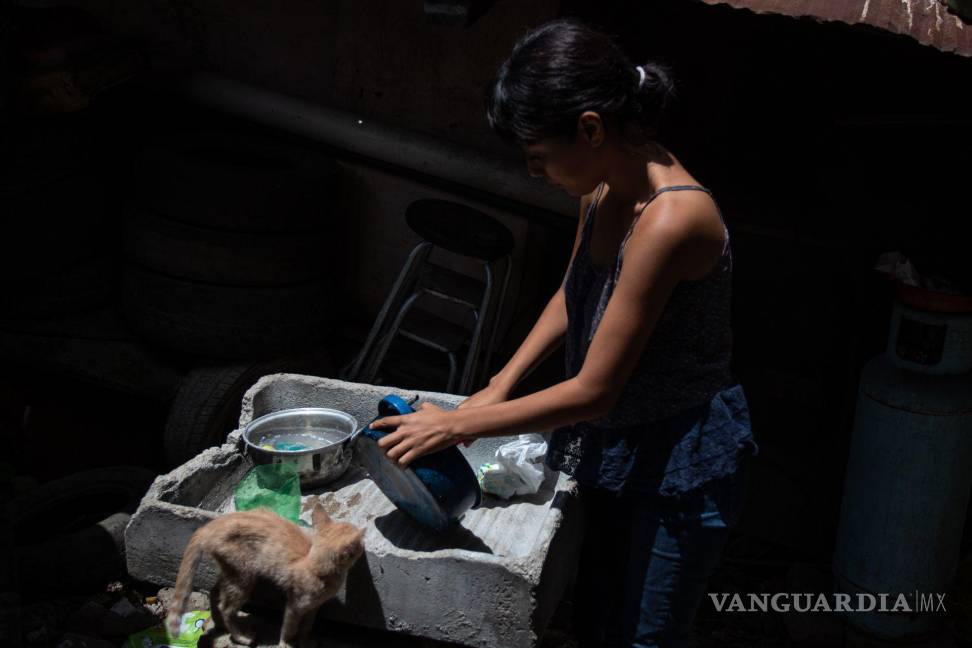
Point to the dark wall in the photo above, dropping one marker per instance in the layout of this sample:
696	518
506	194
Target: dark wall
384	60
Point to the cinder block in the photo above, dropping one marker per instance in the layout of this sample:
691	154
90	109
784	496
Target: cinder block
494	579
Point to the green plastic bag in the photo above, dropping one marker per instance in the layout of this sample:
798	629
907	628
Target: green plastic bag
274	486
158	637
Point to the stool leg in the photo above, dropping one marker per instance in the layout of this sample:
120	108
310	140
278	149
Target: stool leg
453	367
469	370
494	325
375	363
403	284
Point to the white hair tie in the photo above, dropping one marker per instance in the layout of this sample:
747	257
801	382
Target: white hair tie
641	75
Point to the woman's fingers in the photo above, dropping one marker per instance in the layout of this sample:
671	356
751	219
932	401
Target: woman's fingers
411	436
388	421
396	444
407	458
404	448
390	439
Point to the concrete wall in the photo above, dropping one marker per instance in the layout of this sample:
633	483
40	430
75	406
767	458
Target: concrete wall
381	58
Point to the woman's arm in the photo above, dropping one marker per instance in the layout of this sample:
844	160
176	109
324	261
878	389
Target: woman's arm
547	333
658	255
544	338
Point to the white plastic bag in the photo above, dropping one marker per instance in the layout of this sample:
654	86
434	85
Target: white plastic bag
518	468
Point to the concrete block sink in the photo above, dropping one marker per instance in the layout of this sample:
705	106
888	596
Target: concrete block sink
491	580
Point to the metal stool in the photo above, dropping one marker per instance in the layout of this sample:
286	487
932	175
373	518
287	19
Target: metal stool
464	231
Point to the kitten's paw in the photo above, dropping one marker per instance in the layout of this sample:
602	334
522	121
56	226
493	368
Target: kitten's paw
243	640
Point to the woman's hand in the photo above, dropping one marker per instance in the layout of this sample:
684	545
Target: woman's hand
488	395
427	430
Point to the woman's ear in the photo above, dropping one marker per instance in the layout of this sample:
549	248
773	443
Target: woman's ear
591	128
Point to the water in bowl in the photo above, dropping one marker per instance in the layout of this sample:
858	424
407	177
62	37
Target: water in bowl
299	441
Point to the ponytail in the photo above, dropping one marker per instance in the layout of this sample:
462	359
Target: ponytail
654	93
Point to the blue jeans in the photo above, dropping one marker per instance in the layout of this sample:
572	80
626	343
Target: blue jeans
646	560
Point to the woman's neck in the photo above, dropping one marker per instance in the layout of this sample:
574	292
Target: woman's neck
634	178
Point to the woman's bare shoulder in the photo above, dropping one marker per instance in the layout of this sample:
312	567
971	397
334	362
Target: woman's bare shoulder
687	221
682	213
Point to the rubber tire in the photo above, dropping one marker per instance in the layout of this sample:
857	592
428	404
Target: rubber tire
80	562
222	257
49	227
225	321
86	548
64	499
38	149
208	404
79	288
237	183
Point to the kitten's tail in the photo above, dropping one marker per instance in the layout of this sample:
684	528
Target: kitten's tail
183	584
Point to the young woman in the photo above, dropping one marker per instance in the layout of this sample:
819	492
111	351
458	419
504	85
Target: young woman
649	419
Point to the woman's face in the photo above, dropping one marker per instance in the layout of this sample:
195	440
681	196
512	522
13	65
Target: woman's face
568	163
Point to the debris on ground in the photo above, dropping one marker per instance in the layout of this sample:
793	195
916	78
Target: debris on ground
104	618
197	600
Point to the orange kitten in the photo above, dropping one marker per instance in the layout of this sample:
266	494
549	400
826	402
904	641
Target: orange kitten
309	567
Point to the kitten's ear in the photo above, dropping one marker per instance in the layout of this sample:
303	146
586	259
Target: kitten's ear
319	516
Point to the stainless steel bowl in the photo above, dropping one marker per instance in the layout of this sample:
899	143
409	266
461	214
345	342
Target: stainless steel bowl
326	433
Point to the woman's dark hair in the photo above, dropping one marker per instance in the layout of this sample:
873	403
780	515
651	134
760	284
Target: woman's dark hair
563	68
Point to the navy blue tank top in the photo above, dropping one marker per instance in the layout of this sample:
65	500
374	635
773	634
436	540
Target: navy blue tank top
681	419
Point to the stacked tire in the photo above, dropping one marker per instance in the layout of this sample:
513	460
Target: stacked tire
69	534
207	406
52	206
227	247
